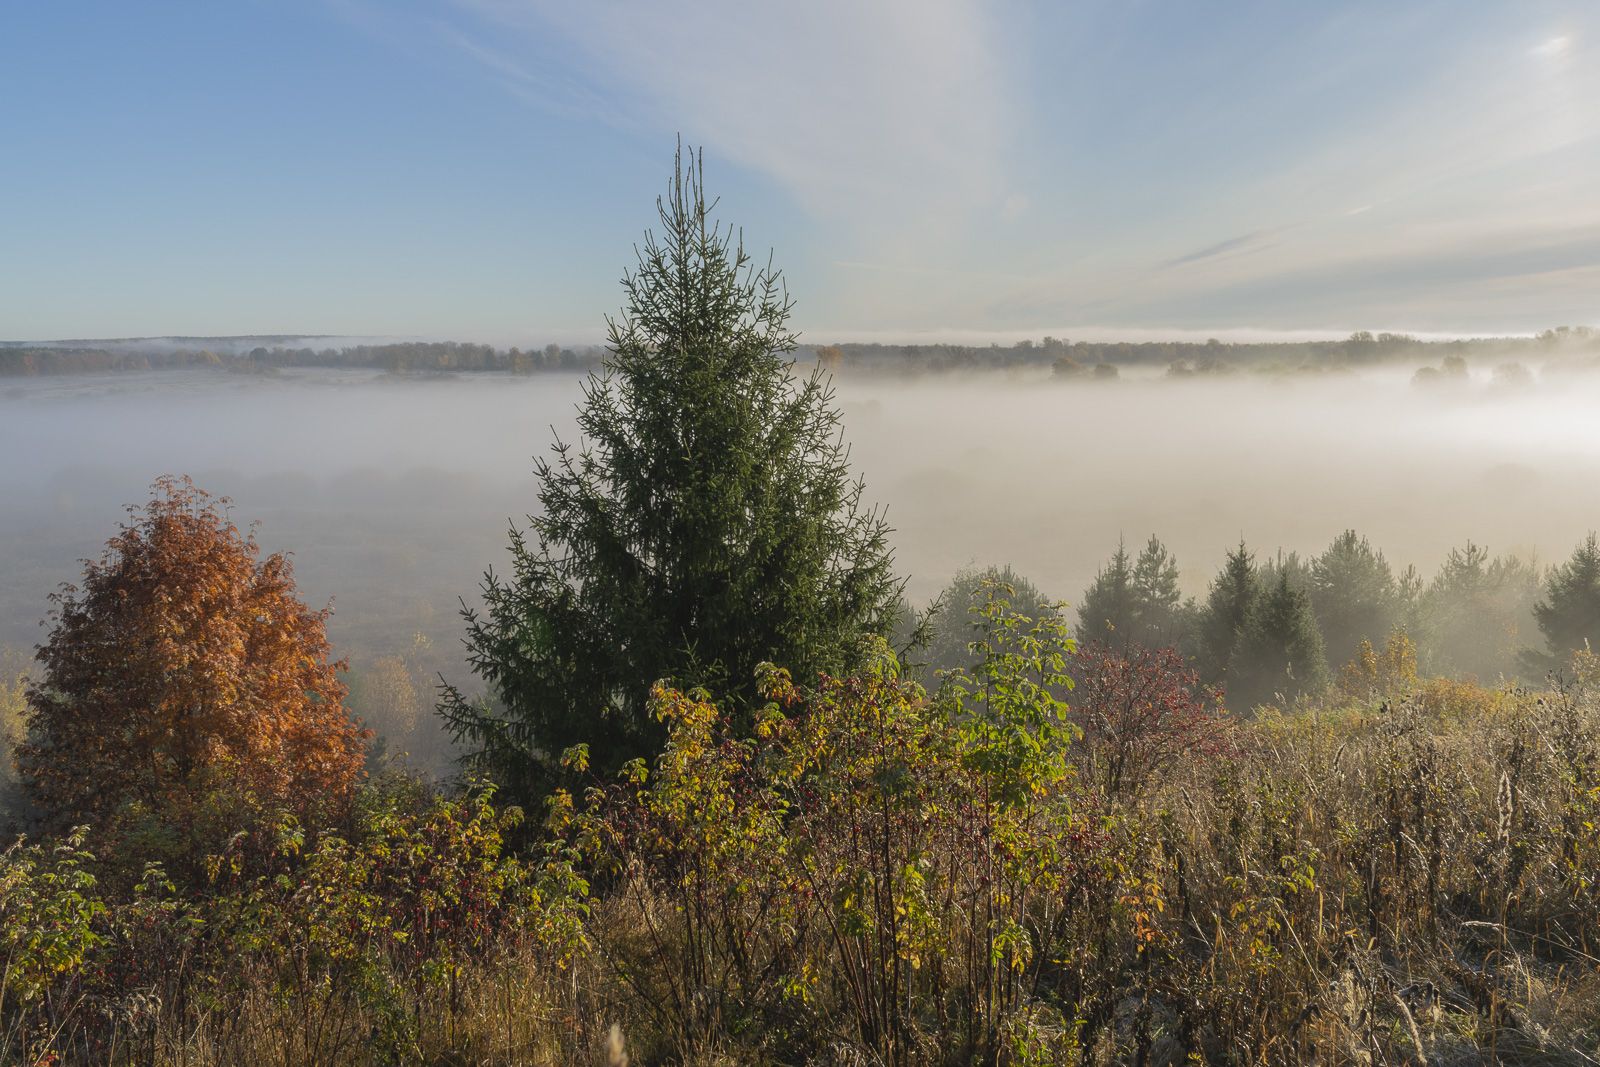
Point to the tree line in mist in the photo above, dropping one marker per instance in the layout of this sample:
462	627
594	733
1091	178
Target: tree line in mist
1065	359
399	357
1069	359
1281	627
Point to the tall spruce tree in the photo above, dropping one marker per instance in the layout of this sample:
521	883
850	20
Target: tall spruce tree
1226	611
706	522
1569	614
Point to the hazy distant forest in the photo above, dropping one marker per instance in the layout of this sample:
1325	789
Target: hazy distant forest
1062	358
706	784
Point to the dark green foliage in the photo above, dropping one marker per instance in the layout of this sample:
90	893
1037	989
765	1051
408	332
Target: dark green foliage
1107	608
1280	652
1354	595
706	523
957	620
1137	602
1569	614
1158	603
1226	611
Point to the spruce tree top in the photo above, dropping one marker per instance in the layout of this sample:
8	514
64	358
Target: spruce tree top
706	522
1227	610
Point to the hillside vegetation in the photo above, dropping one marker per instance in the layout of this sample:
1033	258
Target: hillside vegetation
726	799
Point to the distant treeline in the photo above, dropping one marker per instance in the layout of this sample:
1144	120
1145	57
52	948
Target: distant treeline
26	362
398	357
1063	358
1067	358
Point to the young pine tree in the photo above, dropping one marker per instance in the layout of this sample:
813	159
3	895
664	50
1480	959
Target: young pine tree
959	622
1289	565
1226	611
1136	601
1106	613
1160	616
1280	652
706	523
1354	595
1477	614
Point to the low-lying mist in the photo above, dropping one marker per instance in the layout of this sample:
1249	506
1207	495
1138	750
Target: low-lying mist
394	493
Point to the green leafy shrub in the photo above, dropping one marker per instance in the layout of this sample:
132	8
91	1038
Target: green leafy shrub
899	873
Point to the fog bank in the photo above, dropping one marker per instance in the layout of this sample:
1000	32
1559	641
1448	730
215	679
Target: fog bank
394	493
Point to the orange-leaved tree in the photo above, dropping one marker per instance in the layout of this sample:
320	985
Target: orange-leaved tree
186	686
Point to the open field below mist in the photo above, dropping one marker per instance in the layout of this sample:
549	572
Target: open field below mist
394	493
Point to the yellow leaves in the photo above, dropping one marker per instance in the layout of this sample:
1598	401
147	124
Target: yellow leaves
1145	903
559	807
1586	667
1371	675
802	985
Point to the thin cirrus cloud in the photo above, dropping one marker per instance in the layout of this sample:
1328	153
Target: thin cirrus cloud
854	108
1254	240
1509	281
1469	199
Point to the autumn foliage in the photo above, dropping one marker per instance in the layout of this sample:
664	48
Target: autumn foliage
183	680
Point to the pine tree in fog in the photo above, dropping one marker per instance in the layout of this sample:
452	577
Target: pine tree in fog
1227	609
1280	651
707	520
1354	595
1569	614
1108	603
1136	601
1477	616
1161	617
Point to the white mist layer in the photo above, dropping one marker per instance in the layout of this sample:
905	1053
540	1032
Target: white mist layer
394	494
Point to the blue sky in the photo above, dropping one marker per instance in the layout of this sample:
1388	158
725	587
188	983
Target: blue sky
921	169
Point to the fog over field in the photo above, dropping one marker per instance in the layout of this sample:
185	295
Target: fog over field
394	493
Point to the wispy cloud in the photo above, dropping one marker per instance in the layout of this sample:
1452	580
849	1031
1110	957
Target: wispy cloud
1255	239
857	108
535	84
1554	47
